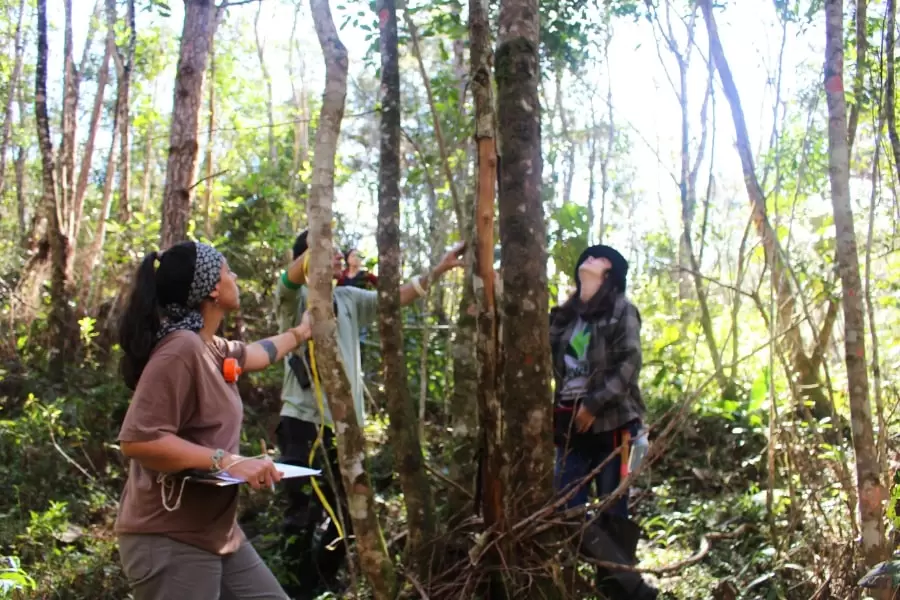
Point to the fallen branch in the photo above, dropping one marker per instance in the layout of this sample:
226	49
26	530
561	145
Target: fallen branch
68	458
423	595
449	481
705	547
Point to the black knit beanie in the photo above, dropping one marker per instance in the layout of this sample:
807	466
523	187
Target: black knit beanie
619	270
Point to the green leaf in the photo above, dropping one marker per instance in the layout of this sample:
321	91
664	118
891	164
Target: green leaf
759	391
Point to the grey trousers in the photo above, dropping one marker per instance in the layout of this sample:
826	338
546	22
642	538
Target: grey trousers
159	568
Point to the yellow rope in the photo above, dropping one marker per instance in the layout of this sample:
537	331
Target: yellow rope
320	437
318	442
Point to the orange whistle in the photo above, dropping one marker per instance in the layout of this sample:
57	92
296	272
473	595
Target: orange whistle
231	370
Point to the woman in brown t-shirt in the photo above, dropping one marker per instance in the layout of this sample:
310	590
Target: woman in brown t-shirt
181	539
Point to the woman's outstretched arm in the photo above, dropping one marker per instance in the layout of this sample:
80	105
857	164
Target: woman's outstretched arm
267	352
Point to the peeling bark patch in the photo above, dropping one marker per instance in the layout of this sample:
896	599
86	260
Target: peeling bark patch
338	410
357	468
834	84
357	504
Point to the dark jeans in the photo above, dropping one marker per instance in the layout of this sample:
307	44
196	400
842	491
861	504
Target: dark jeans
316	564
613	537
574	465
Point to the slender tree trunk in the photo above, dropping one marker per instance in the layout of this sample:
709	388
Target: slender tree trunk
13	86
463	400
610	145
801	369
592	175
87	157
21	158
862	46
569	178
870	487
490	410
689	276
71	83
124	102
298	115
890	83
210	134
373	555
196	37
149	156
436	119
688	201
404	430
260	53
881	443
525	373
92	257
59	244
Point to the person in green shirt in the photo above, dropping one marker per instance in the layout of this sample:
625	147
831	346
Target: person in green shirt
301	417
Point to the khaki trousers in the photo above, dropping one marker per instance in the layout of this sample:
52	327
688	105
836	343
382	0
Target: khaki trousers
159	568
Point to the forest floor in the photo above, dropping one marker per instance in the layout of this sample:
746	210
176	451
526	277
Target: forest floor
63	473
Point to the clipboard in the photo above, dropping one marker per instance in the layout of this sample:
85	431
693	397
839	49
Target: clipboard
224	479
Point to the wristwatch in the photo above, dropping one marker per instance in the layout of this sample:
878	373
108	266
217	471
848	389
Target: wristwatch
216	459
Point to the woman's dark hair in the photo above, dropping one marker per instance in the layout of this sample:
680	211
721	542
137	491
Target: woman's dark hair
153	288
300	243
601	303
347	254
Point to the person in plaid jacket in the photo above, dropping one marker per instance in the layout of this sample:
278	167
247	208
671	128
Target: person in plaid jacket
596	349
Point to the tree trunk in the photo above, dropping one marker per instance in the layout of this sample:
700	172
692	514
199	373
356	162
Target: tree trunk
59	244
869	485
92	257
297	114
260	53
404	430
463	399
21	158
149	156
88	155
890	82
210	136
490	410
13	86
436	119
862	45
71	81
196	37
610	146
127	64
526	372
372	550
688	200
803	379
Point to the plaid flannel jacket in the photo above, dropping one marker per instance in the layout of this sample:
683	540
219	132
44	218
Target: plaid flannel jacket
614	354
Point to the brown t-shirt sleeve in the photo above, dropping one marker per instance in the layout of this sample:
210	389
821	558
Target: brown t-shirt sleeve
231	349
162	402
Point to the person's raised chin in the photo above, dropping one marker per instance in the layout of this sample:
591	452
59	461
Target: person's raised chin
593	273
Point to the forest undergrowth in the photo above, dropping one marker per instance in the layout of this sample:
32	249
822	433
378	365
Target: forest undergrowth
711	528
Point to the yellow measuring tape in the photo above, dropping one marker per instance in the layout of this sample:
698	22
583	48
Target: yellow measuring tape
320	437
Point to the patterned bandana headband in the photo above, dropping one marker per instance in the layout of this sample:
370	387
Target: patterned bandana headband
207	271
